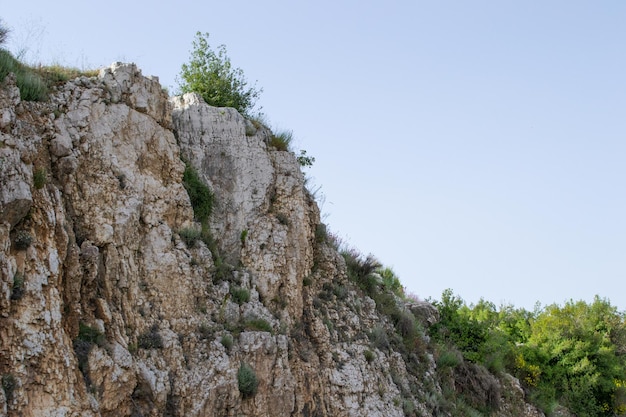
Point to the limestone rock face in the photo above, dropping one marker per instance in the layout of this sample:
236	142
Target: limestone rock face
263	215
114	302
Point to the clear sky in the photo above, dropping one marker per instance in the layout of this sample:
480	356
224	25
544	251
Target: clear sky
473	145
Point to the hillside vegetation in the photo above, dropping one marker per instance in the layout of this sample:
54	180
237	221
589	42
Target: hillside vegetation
571	355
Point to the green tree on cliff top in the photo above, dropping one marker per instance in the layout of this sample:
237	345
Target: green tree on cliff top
211	74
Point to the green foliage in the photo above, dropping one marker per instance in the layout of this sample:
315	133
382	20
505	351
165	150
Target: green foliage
369	355
361	270
150	339
391	282
227	342
34	82
40	177
199	194
247	381
258	324
211	74
243	236
281	140
304	160
572	355
190	236
9	383
239	295
321	233
17	292
22	240
87	338
378	338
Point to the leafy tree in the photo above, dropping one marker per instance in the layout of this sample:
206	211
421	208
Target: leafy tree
211	74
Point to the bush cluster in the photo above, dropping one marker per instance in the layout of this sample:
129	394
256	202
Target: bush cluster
211	74
569	355
247	381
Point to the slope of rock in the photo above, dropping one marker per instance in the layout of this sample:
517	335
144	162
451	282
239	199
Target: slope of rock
107	308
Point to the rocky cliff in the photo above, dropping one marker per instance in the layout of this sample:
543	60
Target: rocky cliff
116	301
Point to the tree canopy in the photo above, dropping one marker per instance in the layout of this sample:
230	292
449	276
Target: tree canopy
211	74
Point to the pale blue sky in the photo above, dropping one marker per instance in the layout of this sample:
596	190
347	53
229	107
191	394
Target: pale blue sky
472	145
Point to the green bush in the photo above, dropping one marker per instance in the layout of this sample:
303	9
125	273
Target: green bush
239	295
40	177
9	383
258	324
190	236
247	381
32	87
304	160
87	338
281	140
211	74
199	194
369	356
17	292
151	339
227	342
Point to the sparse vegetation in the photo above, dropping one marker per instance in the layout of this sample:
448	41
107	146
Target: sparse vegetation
40	177
190	236
305	160
199	194
87	338
239	295
22	240
282	219
17	292
151	339
243	236
258	324
35	82
227	342
211	74
369	356
281	140
247	381
9	383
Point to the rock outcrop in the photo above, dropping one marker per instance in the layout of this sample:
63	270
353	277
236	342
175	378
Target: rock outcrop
115	301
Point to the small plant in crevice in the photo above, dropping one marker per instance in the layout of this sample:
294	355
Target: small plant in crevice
227	342
258	324
239	295
243	236
40	177
87	338
247	381
17	292
281	140
190	236
200	195
150	339
9	383
282	219
22	240
321	233
369	356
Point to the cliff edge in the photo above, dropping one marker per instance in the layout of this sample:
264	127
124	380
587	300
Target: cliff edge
116	301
